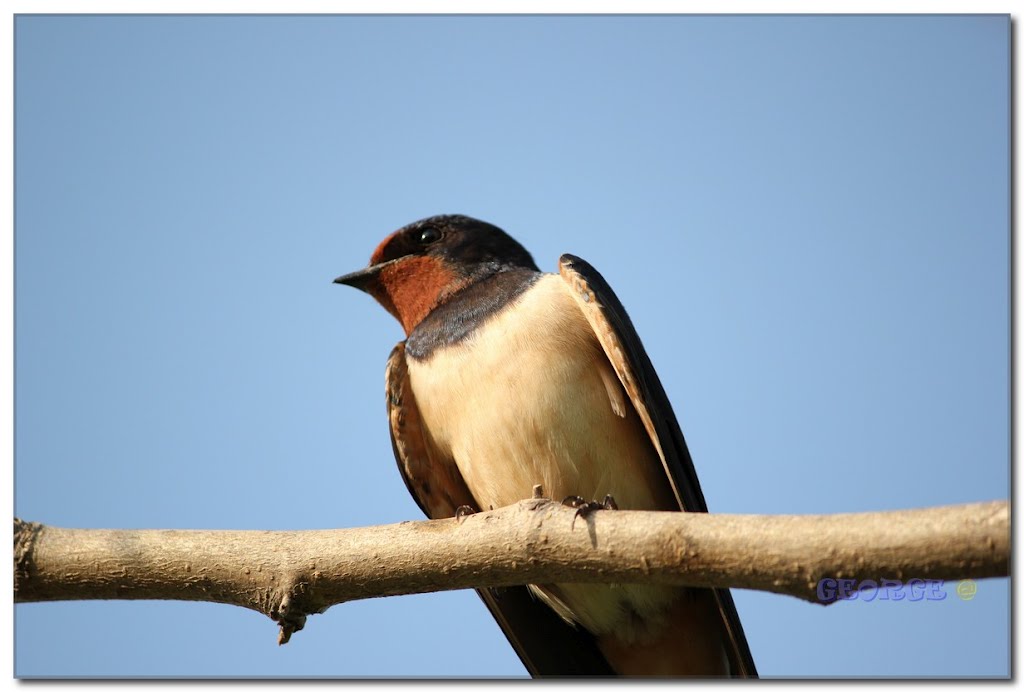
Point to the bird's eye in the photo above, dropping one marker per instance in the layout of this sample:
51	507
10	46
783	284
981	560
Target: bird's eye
428	236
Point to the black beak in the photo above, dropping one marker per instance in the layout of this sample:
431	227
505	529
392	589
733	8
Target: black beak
364	278
360	279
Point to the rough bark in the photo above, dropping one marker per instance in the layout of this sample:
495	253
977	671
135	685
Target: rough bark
288	575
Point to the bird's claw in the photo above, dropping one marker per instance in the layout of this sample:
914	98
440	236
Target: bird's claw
463	511
583	508
574	501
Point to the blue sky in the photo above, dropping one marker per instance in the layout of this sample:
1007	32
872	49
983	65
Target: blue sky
806	217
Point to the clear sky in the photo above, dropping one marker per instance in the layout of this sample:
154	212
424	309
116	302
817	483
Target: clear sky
806	217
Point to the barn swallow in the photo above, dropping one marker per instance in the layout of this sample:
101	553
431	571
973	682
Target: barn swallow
509	377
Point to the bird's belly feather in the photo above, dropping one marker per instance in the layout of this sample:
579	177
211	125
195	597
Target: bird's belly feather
530	399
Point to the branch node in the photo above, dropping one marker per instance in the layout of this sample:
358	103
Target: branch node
290	618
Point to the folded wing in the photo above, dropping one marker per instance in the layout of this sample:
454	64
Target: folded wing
622	346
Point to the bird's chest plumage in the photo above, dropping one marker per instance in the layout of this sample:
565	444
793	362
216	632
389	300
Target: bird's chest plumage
530	398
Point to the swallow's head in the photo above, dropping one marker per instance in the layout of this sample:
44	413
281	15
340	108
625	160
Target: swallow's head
420	266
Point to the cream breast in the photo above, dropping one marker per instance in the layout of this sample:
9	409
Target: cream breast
530	398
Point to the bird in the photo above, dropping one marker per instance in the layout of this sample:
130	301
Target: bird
510	377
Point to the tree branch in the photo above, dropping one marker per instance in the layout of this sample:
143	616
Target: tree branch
288	575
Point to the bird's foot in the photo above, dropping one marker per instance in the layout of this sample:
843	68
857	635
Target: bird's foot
463	511
583	508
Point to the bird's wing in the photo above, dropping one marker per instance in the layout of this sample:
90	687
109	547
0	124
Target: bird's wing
622	346
433	481
545	643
